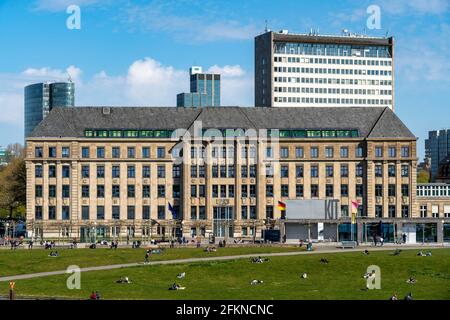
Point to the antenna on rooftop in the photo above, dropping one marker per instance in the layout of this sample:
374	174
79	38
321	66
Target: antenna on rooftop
69	78
266	28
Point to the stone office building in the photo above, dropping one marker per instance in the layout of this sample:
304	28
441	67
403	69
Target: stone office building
97	173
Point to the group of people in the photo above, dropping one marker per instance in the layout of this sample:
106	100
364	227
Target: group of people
407	297
176	286
123	280
53	253
95	295
114	244
259	260
210	249
427	254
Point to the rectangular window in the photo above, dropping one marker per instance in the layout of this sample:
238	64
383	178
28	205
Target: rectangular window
194	172
85	171
230	191
391	211
85	152
52	213
344	190
116	191
215	171
52	152
269	152
201	191
161	191
284	172
65	152
100	212
359	170
359	152
285	190
131	152
378	190
378	211
379	152
85	191
146	172
223	191
115	152
215	191
66	191
299	171
244	191
392	152
299	192
176	171
344	152
161	212
344	170
100	191
52	191
405	170
194	191
314	152
38	171
161	171
405	152
116	212
269	190
253	212
269	212
231	171
314	191
100	171
161	152
131	191
252	171
223	171
391	190
38	153
65	213
405	190
193	213
391	170
405	211
145	152
202	213
252	191
329	152
116	171
360	190
100	152
314	171
176	191
244	212
329	171
378	170
130	212
52	171
65	171
146	191
299	152
85	212
244	172
269	171
38	191
284	152
329	190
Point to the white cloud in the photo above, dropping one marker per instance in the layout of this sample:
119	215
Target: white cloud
58	5
147	82
400	7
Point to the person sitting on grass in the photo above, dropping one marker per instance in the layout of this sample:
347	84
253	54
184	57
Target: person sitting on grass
181	275
53	254
394	297
397	252
123	280
324	261
421	254
176	286
411	280
409	296
428	254
304	275
93	296
254	282
366	252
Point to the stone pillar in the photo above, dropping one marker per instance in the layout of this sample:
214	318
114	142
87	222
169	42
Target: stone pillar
440	231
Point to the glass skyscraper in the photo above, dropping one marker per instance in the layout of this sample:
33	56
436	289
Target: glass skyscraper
437	148
40	98
205	90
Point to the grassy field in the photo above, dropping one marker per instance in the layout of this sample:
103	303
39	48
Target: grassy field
340	279
13	262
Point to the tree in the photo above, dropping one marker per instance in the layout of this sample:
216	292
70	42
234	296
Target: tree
13	186
423	176
14	150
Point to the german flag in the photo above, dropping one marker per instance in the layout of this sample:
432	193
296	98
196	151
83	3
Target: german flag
281	206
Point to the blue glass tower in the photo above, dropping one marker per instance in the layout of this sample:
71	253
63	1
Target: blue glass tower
437	148
40	98
205	90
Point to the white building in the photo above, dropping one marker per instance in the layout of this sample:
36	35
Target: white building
293	70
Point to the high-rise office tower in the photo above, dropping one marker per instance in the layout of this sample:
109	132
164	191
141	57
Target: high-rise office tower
319	70
437	148
40	98
205	90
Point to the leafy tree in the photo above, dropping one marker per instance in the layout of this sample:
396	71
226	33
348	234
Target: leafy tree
423	176
13	186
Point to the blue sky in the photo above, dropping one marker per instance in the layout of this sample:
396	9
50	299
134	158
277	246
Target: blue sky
138	52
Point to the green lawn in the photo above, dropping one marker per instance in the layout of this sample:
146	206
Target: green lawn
340	279
13	262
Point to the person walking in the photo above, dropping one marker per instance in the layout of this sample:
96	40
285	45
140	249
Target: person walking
404	237
147	257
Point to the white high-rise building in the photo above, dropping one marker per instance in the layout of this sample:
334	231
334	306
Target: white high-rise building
298	70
